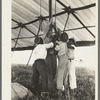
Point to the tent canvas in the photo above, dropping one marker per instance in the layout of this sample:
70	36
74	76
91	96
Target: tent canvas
81	24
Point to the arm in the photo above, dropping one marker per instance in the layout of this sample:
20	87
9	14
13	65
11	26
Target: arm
49	45
57	48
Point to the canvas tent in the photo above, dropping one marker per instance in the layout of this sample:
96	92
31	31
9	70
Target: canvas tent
81	23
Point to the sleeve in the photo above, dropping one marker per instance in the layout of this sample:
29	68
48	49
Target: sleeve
73	46
49	45
57	48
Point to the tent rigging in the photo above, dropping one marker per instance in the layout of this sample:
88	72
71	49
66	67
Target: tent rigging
55	12
26	37
60	13
78	43
66	22
67	10
79	28
41	20
17	43
72	12
18	37
61	31
22	25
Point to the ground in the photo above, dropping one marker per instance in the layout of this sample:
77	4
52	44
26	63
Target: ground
85	81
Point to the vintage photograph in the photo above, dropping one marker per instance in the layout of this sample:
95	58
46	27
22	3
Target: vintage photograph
54	49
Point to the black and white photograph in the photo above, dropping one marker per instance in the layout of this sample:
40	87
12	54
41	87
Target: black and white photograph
53	50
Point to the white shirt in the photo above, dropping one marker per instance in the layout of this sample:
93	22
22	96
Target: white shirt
40	51
70	52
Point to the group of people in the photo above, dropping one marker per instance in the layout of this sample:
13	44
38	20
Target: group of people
64	57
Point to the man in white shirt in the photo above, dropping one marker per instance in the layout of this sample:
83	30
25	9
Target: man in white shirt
70	71
39	65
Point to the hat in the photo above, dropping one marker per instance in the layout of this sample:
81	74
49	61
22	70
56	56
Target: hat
64	37
38	40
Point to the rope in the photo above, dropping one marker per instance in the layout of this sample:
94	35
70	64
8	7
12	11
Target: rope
17	43
75	9
39	26
16	40
29	58
40	7
41	20
68	26
34	44
66	22
40	13
55	12
17	37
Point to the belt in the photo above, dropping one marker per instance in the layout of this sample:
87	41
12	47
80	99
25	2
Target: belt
39	59
70	60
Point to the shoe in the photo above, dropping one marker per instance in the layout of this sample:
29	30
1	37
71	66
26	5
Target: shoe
72	94
45	94
58	94
33	90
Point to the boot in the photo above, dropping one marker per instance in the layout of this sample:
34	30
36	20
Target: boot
72	94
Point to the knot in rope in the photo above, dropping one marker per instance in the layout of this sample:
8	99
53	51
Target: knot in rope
69	10
21	25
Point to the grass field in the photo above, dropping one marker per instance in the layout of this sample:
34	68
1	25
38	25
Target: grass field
85	80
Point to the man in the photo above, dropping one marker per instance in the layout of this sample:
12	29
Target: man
70	71
51	58
39	65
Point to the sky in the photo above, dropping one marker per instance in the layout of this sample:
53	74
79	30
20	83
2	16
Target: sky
88	55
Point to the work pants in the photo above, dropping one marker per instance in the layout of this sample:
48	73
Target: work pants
51	61
62	64
70	71
40	68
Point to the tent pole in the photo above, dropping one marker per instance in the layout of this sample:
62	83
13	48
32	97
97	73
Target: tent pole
51	58
50	9
50	13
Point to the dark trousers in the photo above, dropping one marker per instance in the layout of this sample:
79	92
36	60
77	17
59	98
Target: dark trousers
40	69
51	61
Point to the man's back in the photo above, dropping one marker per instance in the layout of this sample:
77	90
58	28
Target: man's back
40	51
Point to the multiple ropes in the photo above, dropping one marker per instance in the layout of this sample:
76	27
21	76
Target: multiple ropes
66	9
58	14
40	23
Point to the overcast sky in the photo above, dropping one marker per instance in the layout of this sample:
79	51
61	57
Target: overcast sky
88	55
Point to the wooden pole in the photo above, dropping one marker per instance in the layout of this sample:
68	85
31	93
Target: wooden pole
51	57
50	14
50	9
